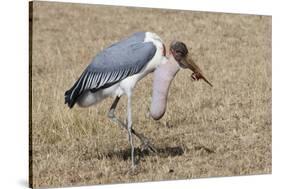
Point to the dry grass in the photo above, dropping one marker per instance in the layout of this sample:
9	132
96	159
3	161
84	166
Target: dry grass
219	131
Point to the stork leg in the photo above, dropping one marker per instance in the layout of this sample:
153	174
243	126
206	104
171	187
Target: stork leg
145	142
129	128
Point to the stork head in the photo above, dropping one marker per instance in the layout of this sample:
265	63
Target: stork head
179	52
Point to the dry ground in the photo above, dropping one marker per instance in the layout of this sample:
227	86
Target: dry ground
219	131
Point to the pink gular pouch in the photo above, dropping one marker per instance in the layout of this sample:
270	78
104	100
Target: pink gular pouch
162	79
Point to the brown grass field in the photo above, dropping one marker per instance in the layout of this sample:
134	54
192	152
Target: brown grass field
206	132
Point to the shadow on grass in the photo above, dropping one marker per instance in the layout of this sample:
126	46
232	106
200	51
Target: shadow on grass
162	152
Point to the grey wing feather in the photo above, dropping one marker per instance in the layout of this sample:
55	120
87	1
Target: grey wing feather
112	65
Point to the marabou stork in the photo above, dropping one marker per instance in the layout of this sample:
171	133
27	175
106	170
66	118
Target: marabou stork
116	70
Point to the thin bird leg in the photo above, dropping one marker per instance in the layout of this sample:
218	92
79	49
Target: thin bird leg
129	126
145	142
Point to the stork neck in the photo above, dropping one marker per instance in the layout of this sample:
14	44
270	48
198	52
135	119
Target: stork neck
170	59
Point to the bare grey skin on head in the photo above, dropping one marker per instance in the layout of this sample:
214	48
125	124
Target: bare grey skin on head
180	53
116	70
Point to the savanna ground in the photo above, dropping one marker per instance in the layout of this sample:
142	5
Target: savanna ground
206	132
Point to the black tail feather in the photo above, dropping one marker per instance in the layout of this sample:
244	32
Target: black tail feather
67	100
71	95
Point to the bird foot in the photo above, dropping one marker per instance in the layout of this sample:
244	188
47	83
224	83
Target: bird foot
146	145
133	171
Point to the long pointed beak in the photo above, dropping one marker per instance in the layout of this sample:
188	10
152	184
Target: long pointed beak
189	63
